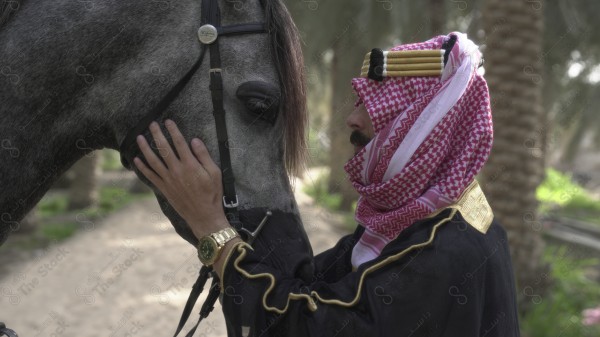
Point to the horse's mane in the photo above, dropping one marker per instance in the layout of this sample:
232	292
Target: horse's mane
287	54
6	9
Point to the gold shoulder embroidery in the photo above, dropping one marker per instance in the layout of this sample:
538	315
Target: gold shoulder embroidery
474	208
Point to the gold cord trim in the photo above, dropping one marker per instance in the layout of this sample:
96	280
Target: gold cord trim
472	205
312	306
383	263
408	60
311	302
408	63
420	66
226	262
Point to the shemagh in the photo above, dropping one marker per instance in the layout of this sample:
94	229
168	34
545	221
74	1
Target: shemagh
432	136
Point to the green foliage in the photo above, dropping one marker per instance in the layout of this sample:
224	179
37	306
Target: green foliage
58	231
560	313
317	189
111	161
558	188
52	205
558	194
317	151
111	199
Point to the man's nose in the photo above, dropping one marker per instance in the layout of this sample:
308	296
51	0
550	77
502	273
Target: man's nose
354	120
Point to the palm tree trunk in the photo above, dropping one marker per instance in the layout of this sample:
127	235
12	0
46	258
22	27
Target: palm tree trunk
513	64
83	191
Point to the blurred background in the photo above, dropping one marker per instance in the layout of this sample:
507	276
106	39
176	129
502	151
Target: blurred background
542	179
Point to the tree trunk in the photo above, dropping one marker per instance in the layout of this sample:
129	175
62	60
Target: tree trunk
344	66
83	192
437	13
513	63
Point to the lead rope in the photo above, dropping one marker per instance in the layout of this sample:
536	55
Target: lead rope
4	331
211	15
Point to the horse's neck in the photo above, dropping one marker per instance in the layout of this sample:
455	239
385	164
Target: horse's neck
59	102
32	162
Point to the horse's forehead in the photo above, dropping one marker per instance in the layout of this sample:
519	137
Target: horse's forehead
241	11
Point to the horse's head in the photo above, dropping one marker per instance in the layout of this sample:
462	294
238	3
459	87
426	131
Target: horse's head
89	73
263	96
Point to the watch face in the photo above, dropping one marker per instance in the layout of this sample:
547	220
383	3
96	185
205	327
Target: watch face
206	250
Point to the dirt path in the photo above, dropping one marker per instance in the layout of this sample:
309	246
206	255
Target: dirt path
128	275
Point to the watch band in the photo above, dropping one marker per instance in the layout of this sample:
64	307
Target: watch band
224	235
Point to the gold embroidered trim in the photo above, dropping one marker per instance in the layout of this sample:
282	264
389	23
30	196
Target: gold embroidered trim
472	205
311	302
312	306
474	208
383	263
226	262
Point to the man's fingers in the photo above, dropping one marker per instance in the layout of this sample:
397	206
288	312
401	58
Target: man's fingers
147	172
181	146
155	163
204	158
162	145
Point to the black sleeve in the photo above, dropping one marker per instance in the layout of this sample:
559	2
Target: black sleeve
421	290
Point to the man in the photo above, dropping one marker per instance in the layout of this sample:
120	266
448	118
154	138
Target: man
427	259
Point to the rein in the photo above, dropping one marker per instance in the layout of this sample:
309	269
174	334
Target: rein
208	34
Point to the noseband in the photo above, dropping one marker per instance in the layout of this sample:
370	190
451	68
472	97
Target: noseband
208	34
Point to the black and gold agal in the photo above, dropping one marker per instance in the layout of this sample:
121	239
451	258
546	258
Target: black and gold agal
210	246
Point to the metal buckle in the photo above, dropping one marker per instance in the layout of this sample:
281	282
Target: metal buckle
233	204
207	34
214	70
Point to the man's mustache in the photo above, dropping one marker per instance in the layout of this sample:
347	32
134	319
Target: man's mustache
358	138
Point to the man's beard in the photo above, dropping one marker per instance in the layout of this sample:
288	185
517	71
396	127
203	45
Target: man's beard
359	139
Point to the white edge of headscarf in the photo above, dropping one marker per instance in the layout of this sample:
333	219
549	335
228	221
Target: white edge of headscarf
454	87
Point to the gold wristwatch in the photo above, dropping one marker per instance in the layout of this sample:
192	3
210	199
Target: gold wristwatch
210	246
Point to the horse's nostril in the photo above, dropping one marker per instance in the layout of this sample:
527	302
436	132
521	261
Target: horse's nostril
260	98
125	164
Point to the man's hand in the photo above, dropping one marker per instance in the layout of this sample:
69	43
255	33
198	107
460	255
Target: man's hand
188	178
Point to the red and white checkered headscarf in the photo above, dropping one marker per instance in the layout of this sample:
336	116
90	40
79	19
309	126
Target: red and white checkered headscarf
432	136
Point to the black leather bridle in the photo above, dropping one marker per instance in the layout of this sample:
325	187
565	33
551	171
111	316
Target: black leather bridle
208	35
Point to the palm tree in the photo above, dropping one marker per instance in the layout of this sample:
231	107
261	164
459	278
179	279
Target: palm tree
513	67
83	191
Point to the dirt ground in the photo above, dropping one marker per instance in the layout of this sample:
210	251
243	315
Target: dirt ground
127	275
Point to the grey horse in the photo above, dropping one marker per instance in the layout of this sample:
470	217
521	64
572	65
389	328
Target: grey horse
76	76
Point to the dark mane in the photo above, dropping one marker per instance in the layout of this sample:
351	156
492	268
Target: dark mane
6	9
287	55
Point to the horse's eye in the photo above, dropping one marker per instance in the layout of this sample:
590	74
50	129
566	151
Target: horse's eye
261	99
